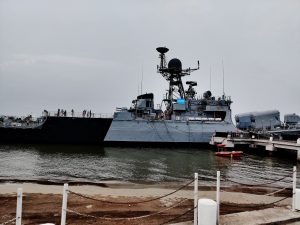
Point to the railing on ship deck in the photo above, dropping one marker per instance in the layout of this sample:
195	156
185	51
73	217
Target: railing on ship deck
79	114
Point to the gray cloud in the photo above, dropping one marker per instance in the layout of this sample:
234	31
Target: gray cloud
90	54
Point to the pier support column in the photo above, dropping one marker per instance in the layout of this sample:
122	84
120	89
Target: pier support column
270	148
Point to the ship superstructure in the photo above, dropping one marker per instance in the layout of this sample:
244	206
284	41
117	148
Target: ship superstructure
185	118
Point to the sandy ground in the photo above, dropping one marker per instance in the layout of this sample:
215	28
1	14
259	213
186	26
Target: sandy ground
42	203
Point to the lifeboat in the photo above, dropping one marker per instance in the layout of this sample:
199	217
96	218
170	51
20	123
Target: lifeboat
229	153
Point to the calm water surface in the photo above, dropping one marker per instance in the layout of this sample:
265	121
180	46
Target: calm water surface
96	163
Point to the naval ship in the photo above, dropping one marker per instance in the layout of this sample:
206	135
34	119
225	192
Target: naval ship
186	118
53	129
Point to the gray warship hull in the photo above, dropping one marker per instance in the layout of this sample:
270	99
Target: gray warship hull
167	132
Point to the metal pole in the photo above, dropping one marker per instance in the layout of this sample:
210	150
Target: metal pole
64	205
195	199
19	206
218	196
294	188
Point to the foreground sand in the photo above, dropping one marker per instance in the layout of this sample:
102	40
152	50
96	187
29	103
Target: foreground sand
42	203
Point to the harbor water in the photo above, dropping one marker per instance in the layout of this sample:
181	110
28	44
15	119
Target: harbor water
82	163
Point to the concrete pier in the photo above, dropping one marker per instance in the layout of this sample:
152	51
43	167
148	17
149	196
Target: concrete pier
270	144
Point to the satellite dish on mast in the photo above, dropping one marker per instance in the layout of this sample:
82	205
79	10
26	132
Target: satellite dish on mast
162	50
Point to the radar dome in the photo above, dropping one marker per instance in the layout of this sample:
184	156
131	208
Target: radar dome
175	65
207	94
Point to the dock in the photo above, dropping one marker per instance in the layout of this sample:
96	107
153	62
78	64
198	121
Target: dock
231	140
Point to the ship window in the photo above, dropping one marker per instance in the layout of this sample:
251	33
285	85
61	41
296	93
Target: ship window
218	115
148	104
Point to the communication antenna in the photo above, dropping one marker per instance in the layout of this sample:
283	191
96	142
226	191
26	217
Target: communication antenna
210	78
223	77
142	79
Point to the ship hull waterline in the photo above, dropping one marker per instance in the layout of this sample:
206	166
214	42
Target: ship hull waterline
164	133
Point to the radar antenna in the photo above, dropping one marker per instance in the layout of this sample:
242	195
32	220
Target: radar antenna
173	74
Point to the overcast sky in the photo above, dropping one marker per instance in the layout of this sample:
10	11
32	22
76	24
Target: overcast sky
91	54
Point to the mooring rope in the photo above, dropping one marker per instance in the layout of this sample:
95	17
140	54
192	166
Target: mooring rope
128	218
8	221
131	203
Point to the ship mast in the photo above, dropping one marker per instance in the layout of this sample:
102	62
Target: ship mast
173	74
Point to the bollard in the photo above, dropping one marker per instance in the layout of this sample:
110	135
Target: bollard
64	205
207	209
294	188
19	207
218	196
297	200
195	198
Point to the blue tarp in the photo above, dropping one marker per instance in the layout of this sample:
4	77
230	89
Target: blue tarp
180	101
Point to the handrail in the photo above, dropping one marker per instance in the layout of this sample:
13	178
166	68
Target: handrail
86	114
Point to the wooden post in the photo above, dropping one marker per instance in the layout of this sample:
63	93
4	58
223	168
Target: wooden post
64	205
196	199
294	188
19	207
218	196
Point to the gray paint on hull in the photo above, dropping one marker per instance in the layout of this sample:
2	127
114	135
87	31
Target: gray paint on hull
165	131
